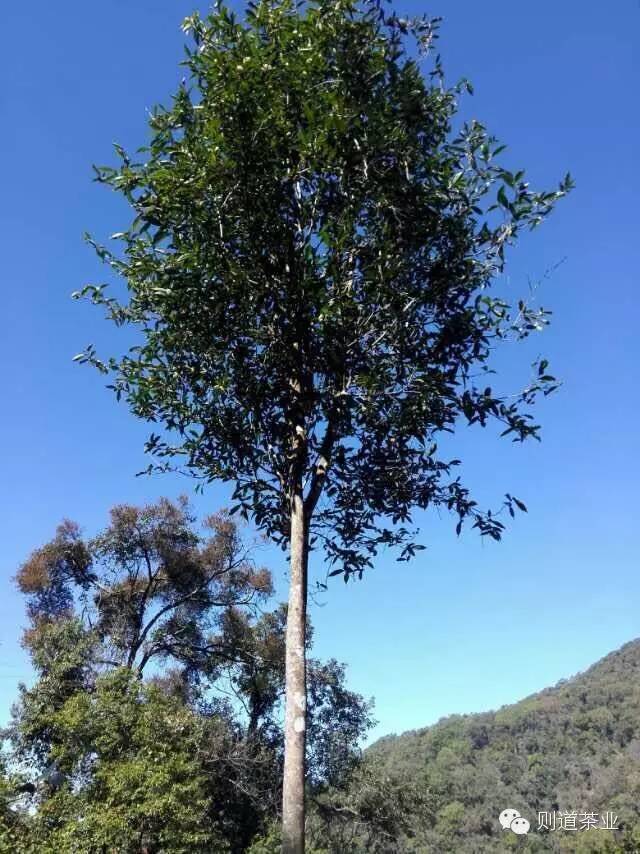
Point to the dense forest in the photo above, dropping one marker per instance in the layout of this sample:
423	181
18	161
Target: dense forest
573	748
154	722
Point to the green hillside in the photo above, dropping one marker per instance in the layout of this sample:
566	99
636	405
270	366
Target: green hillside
571	748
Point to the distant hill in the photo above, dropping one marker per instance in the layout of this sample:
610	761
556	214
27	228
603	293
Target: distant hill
574	747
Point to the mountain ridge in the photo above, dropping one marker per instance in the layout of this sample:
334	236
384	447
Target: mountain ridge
571	747
634	644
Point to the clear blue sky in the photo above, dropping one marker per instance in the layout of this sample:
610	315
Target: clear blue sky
469	625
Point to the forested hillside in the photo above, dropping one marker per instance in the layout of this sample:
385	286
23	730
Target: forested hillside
571	748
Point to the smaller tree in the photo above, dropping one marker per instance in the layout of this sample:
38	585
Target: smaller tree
256	675
255	680
156	720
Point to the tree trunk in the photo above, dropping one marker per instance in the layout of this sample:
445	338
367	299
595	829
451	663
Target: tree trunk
295	686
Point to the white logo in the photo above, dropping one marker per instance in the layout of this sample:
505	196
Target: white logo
512	819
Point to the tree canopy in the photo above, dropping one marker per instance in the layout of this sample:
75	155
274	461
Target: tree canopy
150	585
309	266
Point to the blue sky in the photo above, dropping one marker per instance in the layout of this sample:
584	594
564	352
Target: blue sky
468	625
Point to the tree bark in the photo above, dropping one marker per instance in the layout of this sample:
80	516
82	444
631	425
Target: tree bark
293	811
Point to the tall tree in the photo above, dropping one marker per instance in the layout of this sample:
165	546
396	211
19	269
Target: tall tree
309	267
